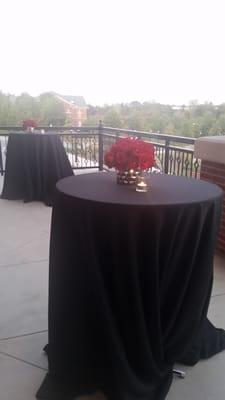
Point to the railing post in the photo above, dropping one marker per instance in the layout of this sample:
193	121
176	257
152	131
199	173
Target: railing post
100	146
166	161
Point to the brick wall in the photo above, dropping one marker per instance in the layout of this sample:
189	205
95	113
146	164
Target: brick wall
215	173
76	116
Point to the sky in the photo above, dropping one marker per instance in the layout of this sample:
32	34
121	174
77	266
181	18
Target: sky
114	51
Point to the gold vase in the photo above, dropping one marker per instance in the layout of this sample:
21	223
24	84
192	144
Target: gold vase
127	177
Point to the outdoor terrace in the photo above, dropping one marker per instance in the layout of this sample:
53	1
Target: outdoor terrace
24	252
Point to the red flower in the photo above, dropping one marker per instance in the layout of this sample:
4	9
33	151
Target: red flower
130	153
109	159
29	123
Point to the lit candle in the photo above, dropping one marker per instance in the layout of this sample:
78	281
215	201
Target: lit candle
141	185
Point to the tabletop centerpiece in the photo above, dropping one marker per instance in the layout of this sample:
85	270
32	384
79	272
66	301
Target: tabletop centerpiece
29	125
130	156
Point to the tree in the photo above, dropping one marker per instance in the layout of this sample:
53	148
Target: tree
112	118
51	110
192	120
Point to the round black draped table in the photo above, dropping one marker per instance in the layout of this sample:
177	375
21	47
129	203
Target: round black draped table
34	163
129	285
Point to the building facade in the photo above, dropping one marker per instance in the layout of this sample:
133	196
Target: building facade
75	109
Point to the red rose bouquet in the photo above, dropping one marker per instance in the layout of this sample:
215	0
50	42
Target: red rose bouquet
29	123
130	153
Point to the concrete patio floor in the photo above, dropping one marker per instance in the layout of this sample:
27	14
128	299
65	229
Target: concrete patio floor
24	247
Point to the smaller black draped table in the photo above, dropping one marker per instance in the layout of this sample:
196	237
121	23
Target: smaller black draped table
130	281
34	163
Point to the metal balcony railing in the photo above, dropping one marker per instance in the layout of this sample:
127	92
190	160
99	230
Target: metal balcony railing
86	146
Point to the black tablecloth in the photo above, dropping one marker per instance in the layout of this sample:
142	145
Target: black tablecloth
129	284
34	163
1	163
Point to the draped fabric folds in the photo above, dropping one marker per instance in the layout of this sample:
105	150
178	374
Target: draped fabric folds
34	164
129	284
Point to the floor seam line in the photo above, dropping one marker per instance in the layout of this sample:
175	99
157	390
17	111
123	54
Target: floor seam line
27	243
23	335
217	295
24	263
23	361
